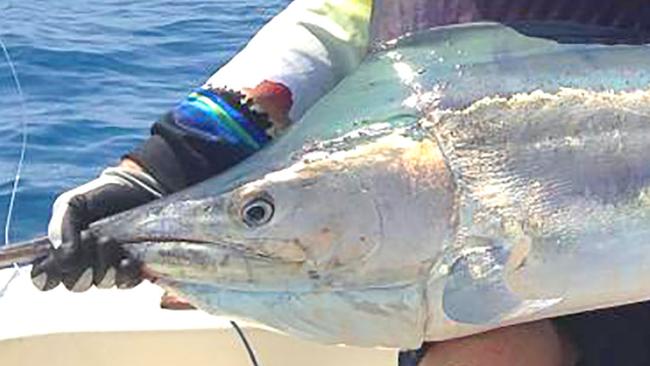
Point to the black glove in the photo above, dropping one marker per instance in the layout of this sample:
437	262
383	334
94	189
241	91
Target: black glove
80	261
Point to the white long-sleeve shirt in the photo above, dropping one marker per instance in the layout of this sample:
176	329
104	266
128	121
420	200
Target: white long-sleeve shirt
310	46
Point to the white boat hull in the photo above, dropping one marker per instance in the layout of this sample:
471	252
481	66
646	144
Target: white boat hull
111	327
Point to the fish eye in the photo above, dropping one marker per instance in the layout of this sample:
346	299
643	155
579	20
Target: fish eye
257	212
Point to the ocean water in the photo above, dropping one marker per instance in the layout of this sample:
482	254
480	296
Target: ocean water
95	75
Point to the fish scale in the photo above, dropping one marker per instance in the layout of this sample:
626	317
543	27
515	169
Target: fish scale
546	157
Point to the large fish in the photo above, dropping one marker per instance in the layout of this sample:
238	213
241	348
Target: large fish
463	178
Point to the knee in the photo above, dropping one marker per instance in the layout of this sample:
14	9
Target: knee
532	344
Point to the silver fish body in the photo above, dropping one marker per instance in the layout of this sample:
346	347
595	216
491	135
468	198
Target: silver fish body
461	179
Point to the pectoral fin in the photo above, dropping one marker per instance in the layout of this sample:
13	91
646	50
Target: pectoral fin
476	291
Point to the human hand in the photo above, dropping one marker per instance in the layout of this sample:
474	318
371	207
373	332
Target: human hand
80	261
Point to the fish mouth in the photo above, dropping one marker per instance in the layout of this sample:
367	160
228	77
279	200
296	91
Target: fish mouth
181	259
164	239
233	247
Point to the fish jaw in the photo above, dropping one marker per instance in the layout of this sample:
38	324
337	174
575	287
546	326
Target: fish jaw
193	262
391	317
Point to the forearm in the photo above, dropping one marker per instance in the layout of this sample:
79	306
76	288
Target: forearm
180	152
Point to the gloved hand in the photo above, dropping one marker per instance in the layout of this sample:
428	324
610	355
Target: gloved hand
82	261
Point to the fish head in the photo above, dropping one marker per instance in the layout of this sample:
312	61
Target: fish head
336	245
364	213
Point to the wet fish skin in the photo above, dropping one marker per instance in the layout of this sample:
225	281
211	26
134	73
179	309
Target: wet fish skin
466	198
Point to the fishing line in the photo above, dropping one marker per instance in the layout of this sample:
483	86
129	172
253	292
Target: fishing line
23	147
249	349
10	280
21	159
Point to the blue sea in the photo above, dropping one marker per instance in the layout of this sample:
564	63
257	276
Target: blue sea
95	75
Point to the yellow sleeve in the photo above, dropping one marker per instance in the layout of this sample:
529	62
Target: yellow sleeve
307	48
